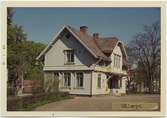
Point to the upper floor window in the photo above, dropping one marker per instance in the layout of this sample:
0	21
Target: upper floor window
79	79
68	35
117	61
69	56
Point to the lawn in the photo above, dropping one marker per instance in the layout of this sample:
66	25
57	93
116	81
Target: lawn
28	103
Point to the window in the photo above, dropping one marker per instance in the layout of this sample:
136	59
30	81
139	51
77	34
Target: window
67	79
68	35
56	75
99	81
69	56
79	79
117	61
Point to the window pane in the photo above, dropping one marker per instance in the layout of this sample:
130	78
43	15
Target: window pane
81	82
117	59
99	81
72	56
79	79
56	75
68	36
67	79
69	56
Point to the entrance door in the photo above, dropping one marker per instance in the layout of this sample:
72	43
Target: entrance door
113	82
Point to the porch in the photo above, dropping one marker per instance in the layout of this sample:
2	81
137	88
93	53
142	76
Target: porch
116	84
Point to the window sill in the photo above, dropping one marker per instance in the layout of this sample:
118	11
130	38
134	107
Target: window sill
79	88
66	87
99	88
69	63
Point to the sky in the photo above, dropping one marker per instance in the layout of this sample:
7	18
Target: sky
42	24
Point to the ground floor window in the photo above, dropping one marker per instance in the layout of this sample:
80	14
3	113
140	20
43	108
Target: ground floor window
67	79
79	79
99	81
56	75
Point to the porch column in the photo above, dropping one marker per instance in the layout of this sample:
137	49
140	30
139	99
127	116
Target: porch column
124	79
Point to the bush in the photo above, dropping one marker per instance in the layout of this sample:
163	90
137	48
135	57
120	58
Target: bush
31	102
37	90
10	91
14	103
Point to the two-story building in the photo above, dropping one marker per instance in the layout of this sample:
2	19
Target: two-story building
82	64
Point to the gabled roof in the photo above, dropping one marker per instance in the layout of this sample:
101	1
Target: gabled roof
106	44
97	47
89	42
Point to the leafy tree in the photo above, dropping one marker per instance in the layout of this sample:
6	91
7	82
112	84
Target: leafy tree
21	57
21	53
15	34
10	13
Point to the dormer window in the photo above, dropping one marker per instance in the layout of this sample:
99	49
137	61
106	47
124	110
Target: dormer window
68	35
69	56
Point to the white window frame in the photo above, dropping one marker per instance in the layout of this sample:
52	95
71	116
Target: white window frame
69	56
79	78
67	79
117	61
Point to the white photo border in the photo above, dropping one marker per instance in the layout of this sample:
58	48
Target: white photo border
3	49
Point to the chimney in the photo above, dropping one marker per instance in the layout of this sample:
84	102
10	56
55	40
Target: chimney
95	35
84	29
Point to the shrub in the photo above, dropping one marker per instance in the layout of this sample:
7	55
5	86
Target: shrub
30	102
10	91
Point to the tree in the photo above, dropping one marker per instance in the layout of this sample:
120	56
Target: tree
10	13
146	50
21	53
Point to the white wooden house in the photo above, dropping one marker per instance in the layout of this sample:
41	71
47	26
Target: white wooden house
84	64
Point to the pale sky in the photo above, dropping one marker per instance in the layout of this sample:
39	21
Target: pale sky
41	24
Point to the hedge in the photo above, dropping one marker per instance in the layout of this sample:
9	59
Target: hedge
30	102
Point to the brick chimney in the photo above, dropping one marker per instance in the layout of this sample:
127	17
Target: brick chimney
84	29
95	35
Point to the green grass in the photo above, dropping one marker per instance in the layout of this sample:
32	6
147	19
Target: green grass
43	102
29	103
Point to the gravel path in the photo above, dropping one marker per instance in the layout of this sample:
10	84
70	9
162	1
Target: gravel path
96	103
